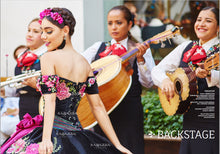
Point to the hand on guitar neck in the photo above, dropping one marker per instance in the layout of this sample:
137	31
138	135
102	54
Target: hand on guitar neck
201	72
141	51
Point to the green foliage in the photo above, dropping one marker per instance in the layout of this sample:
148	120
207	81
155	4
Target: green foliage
155	120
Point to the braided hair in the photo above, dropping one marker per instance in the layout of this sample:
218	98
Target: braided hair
68	19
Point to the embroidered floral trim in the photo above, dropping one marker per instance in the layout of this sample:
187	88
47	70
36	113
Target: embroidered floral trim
213	49
63	88
81	91
17	147
63	91
91	81
32	148
50	81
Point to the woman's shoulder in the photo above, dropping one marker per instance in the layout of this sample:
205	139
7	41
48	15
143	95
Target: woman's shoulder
47	54
52	54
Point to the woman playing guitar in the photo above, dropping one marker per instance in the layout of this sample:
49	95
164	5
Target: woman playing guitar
203	114
127	118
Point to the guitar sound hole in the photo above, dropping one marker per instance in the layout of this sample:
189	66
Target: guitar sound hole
178	86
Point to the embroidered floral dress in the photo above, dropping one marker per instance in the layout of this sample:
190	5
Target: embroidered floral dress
68	136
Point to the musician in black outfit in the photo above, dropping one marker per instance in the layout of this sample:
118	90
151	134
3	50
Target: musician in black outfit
29	96
127	118
200	133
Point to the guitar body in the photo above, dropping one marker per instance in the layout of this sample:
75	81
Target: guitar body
113	81
184	91
185	87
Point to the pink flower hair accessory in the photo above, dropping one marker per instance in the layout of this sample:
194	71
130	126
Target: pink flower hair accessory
54	15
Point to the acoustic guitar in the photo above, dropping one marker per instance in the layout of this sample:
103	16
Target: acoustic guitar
114	79
185	87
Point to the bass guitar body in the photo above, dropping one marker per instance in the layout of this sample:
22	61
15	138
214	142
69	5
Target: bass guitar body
113	81
184	92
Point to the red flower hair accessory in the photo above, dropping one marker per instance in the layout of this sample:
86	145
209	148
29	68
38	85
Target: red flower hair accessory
54	15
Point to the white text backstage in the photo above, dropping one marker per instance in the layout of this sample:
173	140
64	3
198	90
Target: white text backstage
187	134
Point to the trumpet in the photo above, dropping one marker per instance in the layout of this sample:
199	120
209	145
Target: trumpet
16	80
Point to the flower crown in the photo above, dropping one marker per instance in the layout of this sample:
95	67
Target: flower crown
54	15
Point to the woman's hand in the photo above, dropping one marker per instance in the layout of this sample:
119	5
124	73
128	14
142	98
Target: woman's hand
123	149
31	82
200	71
167	88
45	147
142	50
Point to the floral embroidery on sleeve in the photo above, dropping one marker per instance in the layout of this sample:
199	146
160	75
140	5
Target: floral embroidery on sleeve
48	83
91	81
92	87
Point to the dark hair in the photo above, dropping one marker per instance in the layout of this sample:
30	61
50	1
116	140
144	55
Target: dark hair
125	10
128	16
214	10
19	47
68	19
152	10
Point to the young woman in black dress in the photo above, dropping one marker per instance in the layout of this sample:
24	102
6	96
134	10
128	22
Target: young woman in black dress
62	90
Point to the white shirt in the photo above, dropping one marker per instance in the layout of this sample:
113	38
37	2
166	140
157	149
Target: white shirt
144	71
172	60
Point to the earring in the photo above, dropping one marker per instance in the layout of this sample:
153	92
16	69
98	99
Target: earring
63	43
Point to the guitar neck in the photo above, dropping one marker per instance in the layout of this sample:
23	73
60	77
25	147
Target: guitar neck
159	38
125	57
209	64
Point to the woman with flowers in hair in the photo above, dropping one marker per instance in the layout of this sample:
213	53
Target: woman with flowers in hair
60	131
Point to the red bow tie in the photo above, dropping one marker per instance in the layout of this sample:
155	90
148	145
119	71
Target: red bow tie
196	55
115	49
27	59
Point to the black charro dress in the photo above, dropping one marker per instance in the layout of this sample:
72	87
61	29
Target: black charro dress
68	136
